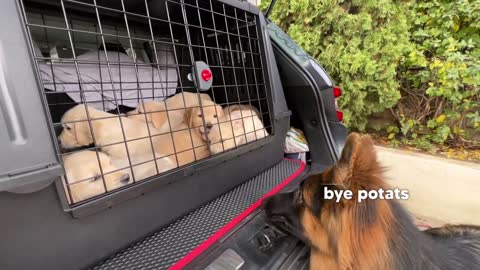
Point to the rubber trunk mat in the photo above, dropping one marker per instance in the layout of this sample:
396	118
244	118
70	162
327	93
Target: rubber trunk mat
178	243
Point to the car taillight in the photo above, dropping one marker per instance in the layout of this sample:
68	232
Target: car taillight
337	92
340	116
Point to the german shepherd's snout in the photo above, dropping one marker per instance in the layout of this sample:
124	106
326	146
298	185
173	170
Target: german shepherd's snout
281	212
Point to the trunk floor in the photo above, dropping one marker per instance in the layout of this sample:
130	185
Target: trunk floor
171	243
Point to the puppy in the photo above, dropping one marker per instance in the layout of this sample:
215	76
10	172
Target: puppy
240	125
247	126
108	132
371	234
190	141
143	166
155	113
84	176
201	120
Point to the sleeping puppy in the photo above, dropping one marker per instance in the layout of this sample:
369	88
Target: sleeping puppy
84	176
202	120
143	166
155	113
108	132
247	126
240	125
190	139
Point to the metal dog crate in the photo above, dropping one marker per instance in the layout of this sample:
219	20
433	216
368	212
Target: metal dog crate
112	55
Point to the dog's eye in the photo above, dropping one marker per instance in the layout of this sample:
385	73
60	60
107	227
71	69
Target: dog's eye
68	128
299	197
97	177
215	116
200	115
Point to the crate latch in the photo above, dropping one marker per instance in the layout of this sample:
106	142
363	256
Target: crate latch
203	76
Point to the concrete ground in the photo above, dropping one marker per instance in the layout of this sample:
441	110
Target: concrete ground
441	190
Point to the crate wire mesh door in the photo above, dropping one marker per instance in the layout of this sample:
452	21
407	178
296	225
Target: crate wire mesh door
120	88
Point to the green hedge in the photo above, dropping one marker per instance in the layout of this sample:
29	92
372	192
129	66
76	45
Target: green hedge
421	59
440	78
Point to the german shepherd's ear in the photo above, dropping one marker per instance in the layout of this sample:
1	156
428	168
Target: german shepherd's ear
358	157
318	197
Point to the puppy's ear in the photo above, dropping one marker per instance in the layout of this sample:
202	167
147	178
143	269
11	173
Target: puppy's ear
188	116
141	108
159	118
358	158
83	133
219	111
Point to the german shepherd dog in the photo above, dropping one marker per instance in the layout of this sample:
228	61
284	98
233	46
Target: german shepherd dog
372	234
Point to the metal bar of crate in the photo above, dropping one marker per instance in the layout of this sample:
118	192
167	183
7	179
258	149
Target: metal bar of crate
208	63
157	62
246	80
222	70
178	70
233	62
189	42
111	80
263	77
140	92
83	97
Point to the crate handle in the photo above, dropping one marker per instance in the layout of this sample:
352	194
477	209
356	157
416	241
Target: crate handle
9	106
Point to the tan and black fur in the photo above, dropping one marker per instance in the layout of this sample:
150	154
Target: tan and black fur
372	234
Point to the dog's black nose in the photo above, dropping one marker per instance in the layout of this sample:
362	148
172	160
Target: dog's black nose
267	203
209	126
274	206
280	204
125	179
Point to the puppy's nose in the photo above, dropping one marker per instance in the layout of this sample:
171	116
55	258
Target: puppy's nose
209	126
125	179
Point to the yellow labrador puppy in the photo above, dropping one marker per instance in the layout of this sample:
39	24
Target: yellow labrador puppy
110	132
202	120
155	113
143	166
240	125
84	176
190	139
247	125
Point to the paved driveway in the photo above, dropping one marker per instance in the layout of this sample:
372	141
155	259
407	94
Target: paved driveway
441	190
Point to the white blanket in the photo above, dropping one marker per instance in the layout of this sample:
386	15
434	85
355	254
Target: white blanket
96	83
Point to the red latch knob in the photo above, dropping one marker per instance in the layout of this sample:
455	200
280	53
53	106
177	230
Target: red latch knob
206	75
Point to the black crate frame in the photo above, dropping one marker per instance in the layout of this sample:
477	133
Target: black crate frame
193	49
